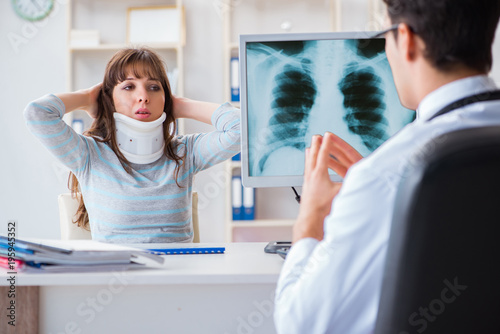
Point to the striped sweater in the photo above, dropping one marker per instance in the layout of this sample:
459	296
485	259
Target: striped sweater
145	205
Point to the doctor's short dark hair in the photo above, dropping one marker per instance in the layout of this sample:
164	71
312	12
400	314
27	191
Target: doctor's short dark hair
455	32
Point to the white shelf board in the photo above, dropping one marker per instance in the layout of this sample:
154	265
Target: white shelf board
262	223
234	164
104	47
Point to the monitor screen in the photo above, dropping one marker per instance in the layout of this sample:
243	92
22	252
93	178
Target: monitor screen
296	85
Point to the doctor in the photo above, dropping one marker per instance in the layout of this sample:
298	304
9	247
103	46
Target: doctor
439	52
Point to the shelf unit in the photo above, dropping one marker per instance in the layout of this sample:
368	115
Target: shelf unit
91	60
377	14
231	46
282	227
255	11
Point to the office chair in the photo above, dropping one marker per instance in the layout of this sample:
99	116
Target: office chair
442	273
67	210
69	231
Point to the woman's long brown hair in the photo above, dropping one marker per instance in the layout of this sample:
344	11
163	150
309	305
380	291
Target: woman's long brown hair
142	62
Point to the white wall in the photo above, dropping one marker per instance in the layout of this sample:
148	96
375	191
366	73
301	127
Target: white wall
34	65
31	67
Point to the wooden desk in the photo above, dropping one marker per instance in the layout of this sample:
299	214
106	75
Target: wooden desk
216	293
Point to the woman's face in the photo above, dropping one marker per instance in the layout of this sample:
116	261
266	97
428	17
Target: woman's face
142	98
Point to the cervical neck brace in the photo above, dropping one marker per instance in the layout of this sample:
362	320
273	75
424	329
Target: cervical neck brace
140	142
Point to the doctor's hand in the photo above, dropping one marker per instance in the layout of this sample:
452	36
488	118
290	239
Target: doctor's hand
318	190
342	155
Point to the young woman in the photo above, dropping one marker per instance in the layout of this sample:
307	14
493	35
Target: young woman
134	173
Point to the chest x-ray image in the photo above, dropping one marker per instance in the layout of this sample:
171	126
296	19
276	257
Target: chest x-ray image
300	88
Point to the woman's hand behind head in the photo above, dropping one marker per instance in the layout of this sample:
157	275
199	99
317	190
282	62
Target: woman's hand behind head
93	94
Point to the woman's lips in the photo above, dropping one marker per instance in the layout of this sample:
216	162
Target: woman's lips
142	113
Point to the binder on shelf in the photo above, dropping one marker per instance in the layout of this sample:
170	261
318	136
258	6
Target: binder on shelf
248	203
237	197
237	157
235	80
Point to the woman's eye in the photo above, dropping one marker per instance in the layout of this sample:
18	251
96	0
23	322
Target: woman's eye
128	87
154	88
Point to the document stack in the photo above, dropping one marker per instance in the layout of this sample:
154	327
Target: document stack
71	256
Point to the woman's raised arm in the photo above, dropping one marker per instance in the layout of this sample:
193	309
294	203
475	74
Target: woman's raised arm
84	99
197	110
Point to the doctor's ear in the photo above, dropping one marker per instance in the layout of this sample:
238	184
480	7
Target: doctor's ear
409	43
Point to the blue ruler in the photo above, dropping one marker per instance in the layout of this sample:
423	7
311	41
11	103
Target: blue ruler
188	250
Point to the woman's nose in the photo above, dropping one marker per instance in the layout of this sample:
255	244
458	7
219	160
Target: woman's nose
143	96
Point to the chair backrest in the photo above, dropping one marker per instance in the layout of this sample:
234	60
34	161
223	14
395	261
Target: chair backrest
194	219
442	272
69	231
67	210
